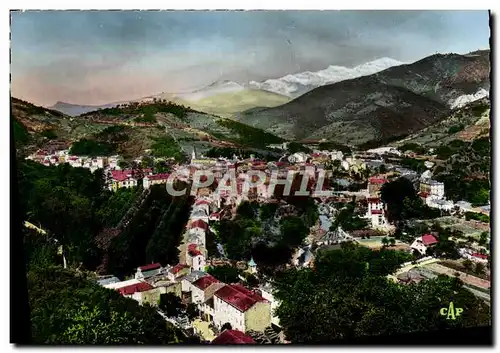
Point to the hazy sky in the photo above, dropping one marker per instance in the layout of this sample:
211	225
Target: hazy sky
97	57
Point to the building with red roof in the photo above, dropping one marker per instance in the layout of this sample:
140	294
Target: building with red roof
233	337
134	288
178	271
153	179
421	244
199	224
242	308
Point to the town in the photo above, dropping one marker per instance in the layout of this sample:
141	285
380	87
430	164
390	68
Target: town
244	311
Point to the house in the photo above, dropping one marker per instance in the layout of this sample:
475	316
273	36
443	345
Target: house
107	280
214	216
203	204
376	213
233	337
189	279
167	286
199	213
477	257
202	293
142	292
433	188
198	227
421	244
442	204
116	285
299	157
195	258
178	271
126	178
154	179
242	308
147	271
375	184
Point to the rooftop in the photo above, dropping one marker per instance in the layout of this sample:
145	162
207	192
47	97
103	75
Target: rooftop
429	239
178	268
239	297
133	288
199	224
233	337
150	267
205	282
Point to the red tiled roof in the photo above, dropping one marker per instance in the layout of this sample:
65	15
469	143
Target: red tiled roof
194	253
178	268
160	176
121	175
481	256
238	296
133	288
215	214
376	211
201	202
199	224
205	282
378	180
191	247
423	194
233	337
429	239
150	267
373	199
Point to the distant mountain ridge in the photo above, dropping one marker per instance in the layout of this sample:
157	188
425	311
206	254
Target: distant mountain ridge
397	101
294	85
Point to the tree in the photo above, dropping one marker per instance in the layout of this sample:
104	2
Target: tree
226	274
382	169
347	295
392	241
479	269
191	311
68	307
394	193
385	242
483	238
467	264
170	304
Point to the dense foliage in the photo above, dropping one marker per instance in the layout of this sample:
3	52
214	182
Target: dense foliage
21	135
166	147
86	147
348	295
465	173
226	274
248	135
67	308
147	109
32	109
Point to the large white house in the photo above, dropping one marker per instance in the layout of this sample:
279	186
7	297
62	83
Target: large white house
375	213
242	308
421	244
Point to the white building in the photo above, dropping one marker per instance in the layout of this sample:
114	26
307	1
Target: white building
298	157
243	309
154	179
432	188
440	204
421	244
375	213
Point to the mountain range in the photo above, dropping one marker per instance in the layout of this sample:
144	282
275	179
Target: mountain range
227	98
397	101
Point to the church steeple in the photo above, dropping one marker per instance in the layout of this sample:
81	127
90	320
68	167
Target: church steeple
193	155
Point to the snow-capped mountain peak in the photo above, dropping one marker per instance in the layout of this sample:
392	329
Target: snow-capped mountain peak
295	84
212	89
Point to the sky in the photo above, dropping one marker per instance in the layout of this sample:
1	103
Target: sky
99	57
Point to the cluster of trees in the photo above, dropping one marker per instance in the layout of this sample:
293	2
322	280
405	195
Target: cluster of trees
228	152
349	218
403	203
466	171
32	109
330	146
477	217
21	134
254	232
294	147
73	206
49	134
166	147
248	135
414	147
147	109
89	147
348	295
413	164
68	307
